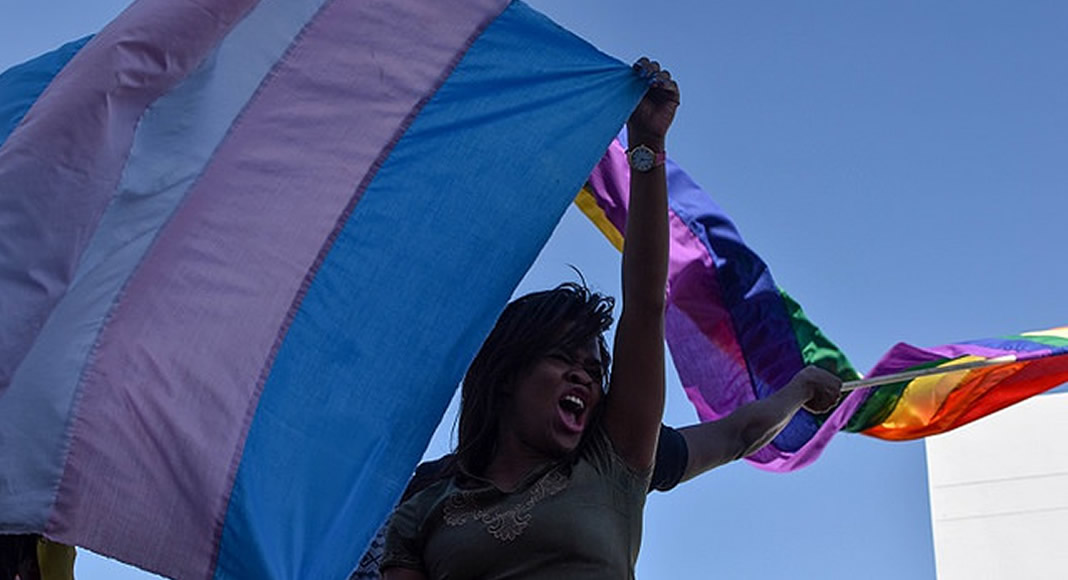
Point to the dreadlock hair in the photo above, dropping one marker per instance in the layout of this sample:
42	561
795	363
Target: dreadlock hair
567	317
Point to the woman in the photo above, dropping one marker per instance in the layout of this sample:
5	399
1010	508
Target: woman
551	472
555	453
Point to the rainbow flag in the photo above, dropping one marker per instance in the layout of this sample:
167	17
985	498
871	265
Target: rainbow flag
935	404
247	249
736	337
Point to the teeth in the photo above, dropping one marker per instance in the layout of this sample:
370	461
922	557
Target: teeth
577	402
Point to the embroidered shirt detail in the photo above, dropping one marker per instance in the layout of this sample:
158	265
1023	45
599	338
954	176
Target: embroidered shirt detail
503	524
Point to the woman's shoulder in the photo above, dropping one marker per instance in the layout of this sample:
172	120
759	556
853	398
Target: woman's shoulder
424	499
413	518
600	453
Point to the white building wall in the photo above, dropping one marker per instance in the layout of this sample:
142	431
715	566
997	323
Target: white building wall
999	494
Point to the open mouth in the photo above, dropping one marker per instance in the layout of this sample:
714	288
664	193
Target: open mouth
573	412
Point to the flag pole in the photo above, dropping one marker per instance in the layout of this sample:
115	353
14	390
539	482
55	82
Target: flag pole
909	375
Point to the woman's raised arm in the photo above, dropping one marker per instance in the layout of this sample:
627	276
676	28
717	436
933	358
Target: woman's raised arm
635	402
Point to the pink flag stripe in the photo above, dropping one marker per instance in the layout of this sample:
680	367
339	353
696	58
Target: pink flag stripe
75	139
262	210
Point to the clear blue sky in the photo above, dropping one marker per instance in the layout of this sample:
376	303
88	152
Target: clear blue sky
901	166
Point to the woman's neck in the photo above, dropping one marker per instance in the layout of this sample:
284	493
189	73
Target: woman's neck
512	462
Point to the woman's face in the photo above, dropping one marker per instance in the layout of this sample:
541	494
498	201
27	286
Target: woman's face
553	399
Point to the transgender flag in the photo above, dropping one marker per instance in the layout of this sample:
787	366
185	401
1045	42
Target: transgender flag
247	250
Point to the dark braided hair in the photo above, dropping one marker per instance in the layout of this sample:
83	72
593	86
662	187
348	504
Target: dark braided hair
567	317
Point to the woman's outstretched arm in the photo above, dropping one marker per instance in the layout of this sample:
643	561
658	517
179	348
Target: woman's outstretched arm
754	425
635	402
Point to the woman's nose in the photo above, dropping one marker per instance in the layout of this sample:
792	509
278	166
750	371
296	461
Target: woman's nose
579	376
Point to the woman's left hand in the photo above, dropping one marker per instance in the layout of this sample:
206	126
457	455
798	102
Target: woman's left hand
823	388
649	122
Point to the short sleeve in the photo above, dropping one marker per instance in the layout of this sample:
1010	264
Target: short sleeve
404	544
672	455
426	474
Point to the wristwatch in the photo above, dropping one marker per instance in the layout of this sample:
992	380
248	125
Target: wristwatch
642	158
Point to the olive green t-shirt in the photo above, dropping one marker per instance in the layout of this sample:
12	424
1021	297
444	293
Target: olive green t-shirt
577	519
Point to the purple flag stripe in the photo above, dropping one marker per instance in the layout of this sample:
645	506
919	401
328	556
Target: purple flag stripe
690	293
701	331
1010	344
703	362
261	211
697	317
903	356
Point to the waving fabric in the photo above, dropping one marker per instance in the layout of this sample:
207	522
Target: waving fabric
248	249
736	337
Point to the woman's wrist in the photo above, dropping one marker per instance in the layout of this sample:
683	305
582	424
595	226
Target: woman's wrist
650	140
805	390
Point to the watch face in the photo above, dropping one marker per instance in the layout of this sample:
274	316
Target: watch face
642	158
